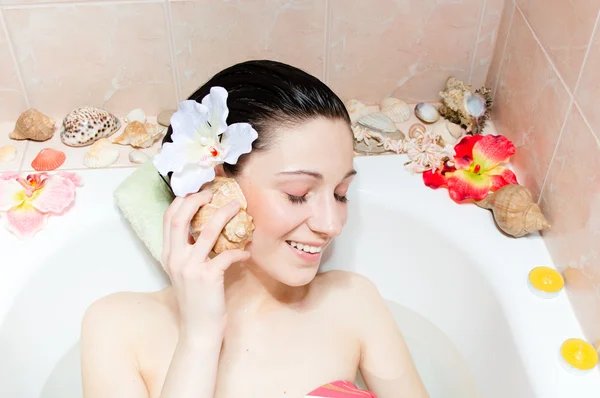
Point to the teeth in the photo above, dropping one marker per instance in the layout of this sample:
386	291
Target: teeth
305	248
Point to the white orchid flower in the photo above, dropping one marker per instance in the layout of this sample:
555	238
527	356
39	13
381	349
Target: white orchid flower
201	141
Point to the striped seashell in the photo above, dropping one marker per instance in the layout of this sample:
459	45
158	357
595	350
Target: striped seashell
48	159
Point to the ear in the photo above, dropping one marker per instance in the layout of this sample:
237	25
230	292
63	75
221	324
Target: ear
219	172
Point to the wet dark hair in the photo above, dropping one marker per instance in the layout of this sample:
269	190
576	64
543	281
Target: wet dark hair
268	94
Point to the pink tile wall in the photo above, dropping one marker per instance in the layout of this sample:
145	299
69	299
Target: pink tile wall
58	54
546	78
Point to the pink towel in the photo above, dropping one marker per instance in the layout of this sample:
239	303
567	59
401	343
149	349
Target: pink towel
339	389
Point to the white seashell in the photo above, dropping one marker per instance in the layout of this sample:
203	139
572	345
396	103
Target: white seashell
101	154
357	109
87	124
397	110
136	115
475	104
138	157
449	132
8	153
428	113
416	130
378	122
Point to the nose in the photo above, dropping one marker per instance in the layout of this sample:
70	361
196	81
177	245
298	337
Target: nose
327	218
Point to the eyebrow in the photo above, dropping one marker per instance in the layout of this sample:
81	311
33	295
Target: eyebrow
314	174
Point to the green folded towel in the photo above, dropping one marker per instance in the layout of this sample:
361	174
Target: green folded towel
143	198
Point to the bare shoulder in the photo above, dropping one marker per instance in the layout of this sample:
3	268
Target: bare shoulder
352	288
123	313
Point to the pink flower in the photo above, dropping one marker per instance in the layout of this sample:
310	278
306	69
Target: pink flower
26	203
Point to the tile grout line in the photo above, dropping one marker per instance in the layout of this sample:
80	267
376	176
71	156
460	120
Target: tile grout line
476	39
326	44
22	162
75	3
174	66
13	55
510	22
572	103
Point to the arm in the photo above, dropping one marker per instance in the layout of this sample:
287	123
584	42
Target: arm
386	365
108	364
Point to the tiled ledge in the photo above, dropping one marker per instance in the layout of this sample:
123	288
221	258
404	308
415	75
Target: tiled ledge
28	150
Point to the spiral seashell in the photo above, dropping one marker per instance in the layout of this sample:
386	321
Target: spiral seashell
33	125
238	231
48	159
514	210
397	110
416	130
139	135
449	132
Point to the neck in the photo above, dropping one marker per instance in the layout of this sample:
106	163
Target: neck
249	289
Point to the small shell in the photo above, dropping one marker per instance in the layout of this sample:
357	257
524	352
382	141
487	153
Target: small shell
427	113
33	125
164	118
139	135
238	231
137	156
137	115
378	122
514	210
416	130
86	125
101	154
8	153
449	132
48	159
357	109
397	110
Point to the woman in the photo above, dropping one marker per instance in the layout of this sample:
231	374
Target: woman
257	322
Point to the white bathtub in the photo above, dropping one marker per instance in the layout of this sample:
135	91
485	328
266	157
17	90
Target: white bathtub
455	284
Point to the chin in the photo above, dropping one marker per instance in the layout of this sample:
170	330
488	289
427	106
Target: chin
296	277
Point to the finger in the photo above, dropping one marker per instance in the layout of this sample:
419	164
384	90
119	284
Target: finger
180	222
228	257
213	228
171	210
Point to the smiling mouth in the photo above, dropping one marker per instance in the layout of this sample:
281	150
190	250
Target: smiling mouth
305	248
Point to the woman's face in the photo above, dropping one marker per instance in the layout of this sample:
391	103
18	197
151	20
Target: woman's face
296	193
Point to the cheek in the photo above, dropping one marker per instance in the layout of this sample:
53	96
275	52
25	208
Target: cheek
272	216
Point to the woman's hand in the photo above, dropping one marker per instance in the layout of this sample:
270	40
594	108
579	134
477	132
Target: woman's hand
198	281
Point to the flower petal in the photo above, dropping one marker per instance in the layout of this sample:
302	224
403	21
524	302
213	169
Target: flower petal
464	151
76	179
24	221
463	185
501	176
174	156
237	140
434	179
56	196
190	120
216	102
492	150
11	193
191	179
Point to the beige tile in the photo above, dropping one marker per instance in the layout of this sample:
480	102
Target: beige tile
500	45
210	36
75	156
12	98
5	129
571	201
588	91
114	56
564	29
402	48
486	40
531	105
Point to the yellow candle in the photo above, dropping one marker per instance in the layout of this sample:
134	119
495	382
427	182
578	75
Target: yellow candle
579	354
546	281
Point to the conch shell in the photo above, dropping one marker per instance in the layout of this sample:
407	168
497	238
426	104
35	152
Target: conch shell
139	135
238	231
33	125
514	210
